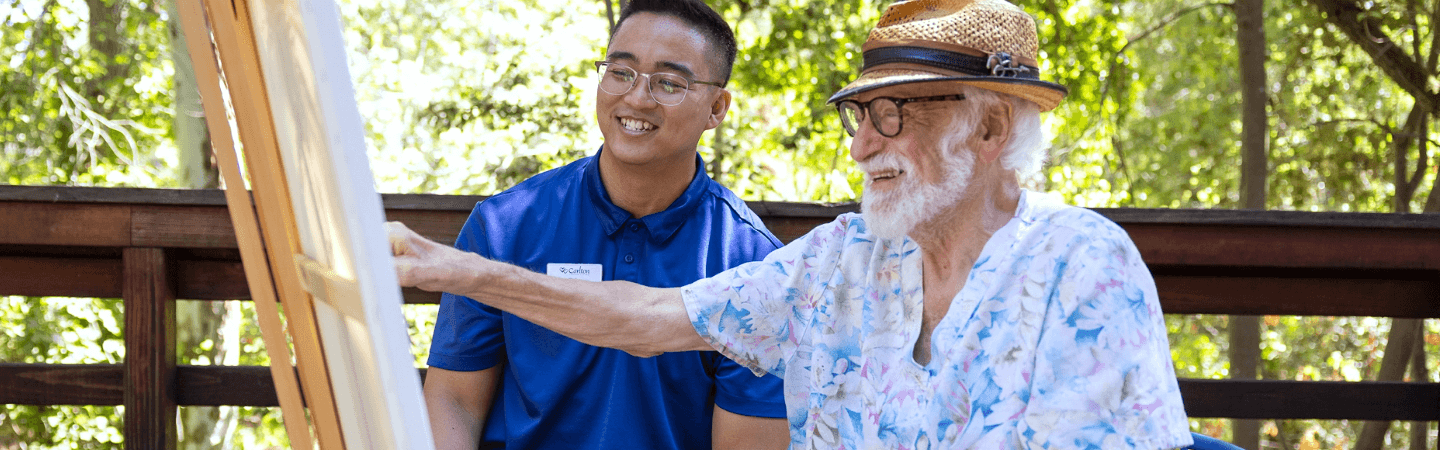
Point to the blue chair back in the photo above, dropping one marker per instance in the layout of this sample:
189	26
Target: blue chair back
1203	442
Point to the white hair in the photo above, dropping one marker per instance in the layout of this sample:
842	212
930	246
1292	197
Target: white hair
1026	151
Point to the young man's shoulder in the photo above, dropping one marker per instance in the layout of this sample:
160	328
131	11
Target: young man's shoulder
537	193
738	210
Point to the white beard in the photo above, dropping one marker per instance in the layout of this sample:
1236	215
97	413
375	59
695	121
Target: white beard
894	213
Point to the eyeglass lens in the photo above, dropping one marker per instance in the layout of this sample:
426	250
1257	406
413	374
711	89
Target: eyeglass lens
667	89
883	113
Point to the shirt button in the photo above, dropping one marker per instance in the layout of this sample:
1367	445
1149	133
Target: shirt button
629	258
634	227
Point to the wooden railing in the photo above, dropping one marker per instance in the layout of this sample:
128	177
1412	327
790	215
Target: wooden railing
152	247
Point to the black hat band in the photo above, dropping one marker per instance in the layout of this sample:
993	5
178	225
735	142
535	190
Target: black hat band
998	64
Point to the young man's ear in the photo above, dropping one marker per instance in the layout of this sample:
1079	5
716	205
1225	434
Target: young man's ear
718	108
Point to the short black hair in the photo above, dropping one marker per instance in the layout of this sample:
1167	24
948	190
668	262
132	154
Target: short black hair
699	16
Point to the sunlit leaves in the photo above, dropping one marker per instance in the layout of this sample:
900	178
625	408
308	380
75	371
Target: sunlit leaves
60	331
73	114
1162	126
452	107
471	97
781	140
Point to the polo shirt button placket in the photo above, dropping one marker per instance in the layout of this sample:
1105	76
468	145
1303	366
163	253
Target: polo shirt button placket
630	257
634	240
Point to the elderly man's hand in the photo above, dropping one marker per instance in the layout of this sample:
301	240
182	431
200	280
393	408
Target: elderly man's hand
420	262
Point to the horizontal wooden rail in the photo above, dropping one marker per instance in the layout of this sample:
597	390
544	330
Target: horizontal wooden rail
74	241
1277	399
1204	261
102	384
1392	296
41	384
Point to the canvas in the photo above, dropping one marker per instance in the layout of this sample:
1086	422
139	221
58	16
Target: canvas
317	221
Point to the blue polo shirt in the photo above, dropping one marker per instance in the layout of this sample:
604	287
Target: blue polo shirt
559	393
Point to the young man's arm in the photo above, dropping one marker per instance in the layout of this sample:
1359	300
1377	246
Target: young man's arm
730	431
458	404
639	320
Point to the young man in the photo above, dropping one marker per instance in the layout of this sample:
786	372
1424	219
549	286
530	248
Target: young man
641	210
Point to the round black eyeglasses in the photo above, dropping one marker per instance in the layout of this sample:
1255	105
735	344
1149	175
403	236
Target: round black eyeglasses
886	113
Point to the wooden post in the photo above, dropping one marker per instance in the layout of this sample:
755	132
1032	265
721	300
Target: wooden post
149	350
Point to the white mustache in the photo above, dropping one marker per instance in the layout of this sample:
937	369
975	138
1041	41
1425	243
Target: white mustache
884	162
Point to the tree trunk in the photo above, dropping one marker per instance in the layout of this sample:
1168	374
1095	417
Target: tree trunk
1419	431
612	9
721	147
1245	330
192	137
1406	335
1244	358
1411	73
610	14
1367	31
107	36
198	322
1254	121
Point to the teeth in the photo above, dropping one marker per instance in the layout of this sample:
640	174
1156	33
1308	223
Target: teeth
885	174
636	125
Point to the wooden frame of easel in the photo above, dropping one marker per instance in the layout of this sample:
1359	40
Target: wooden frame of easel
273	236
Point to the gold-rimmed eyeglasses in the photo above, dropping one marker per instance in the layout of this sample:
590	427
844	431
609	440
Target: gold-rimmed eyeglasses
665	88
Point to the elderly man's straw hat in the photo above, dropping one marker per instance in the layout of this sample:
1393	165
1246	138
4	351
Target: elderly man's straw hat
988	44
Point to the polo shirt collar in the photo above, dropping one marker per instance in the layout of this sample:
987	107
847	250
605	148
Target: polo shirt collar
662	224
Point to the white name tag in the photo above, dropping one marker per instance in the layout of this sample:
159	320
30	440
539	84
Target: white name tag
587	272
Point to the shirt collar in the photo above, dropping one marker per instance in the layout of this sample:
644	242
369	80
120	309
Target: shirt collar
662	224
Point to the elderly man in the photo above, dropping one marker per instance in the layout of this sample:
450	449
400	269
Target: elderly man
958	311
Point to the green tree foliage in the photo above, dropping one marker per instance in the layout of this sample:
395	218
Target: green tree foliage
84	94
60	331
460	97
454	108
1153	121
781	140
1153	117
84	100
472	97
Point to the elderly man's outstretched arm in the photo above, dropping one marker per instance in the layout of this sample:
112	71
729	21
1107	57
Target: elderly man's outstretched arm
642	321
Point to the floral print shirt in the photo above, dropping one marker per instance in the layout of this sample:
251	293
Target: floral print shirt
1056	339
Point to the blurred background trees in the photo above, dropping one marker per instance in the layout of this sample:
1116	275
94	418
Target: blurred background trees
471	97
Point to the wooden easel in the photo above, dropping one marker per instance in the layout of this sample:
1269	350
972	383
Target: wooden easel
223	45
